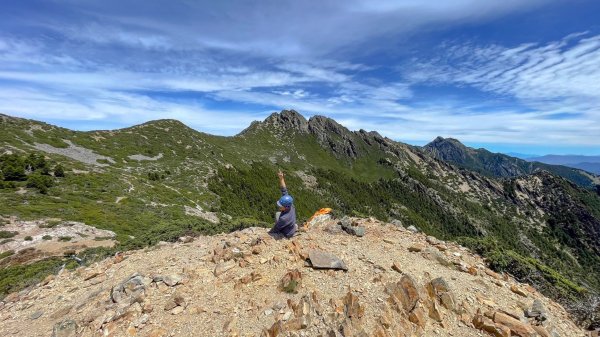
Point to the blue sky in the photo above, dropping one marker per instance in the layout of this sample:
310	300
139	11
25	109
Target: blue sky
512	75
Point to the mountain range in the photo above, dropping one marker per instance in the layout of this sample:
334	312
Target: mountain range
502	165
161	180
587	163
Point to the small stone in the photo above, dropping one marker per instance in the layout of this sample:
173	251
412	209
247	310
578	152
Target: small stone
417	247
434	255
177	310
352	228
440	285
493	274
397	223
413	229
158	332
536	311
291	281
91	274
441	248
172	280
286	316
141	320
170	305
131	331
36	315
432	240
268	312
147	308
65	328
61	312
515	289
186	239
396	267
390	241
225	266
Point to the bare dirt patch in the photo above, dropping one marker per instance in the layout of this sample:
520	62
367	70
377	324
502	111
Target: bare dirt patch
199	212
51	237
75	152
140	157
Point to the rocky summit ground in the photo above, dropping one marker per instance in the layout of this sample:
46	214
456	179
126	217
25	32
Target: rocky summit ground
396	283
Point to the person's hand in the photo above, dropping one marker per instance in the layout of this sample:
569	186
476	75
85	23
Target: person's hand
280	174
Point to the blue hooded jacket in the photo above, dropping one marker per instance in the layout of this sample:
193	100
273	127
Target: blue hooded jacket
287	220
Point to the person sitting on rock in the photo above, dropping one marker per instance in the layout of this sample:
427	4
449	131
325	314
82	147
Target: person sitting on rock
285	219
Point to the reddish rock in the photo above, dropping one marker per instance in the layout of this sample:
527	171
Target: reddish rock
223	267
517	327
417	247
291	281
417	316
352	308
542	331
435	313
158	332
493	274
515	289
404	294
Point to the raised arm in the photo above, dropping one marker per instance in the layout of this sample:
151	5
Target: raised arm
281	180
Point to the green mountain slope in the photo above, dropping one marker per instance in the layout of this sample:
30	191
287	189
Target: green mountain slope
498	164
161	180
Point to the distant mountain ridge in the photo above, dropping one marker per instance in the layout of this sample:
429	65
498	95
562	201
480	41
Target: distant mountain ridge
565	159
587	163
498	164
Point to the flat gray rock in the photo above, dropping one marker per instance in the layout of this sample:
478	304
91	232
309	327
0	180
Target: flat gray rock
36	315
323	260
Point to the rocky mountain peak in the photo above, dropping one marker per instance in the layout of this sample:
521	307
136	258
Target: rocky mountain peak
321	124
448	149
331	134
440	141
279	121
287	119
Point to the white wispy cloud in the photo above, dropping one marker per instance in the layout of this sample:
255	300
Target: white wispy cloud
558	76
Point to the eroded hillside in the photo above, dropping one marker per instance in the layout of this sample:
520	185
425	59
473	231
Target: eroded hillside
395	283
